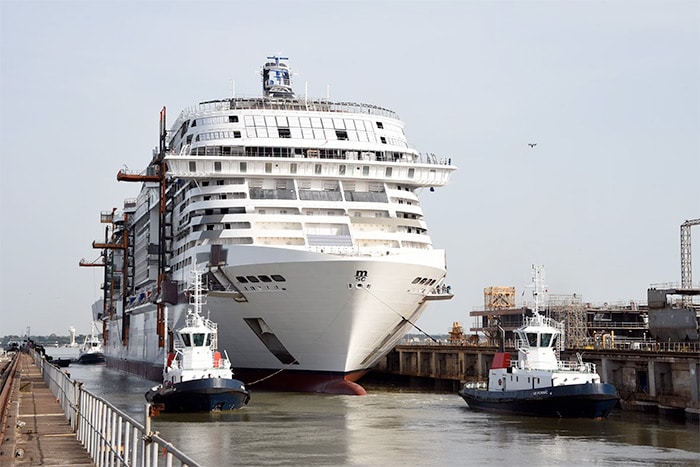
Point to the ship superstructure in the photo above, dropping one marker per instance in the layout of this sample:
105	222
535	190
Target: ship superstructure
305	214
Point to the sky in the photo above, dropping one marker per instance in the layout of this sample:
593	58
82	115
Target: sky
609	91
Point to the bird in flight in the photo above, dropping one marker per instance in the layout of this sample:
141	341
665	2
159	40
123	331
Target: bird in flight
532	145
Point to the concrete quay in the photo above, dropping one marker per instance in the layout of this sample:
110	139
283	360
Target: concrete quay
36	430
658	379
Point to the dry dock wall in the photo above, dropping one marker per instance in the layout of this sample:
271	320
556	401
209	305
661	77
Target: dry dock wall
654	379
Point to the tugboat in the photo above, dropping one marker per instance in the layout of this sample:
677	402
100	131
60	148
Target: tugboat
539	383
196	377
91	351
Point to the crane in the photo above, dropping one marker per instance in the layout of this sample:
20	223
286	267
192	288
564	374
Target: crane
686	257
686	261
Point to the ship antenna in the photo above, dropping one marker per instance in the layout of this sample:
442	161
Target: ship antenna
540	289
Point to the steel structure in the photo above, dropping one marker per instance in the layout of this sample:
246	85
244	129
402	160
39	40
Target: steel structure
686	260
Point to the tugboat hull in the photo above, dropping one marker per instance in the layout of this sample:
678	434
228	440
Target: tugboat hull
200	395
594	400
91	358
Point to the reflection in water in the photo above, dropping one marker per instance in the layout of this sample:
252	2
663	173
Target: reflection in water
390	428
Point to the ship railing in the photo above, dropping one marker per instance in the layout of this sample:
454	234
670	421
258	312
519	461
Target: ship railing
109	435
581	367
617	324
295	103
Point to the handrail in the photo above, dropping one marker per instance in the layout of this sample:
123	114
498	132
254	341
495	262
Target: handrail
8	378
627	345
110	436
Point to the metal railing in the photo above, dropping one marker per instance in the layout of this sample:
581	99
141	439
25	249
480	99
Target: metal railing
111	437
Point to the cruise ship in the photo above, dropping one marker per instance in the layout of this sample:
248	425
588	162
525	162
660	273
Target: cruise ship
304	215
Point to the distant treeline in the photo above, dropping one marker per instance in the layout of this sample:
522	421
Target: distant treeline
47	341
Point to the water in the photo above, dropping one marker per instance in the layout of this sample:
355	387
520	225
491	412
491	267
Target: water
392	428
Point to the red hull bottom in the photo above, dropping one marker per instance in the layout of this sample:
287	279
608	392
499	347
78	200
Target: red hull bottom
267	380
303	381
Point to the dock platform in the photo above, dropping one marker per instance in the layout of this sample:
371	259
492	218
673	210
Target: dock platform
36	431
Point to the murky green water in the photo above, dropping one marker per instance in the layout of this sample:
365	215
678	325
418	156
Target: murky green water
392	428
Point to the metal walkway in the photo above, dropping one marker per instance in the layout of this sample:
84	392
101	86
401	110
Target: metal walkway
36	430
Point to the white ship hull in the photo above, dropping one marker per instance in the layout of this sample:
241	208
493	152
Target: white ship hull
303	215
329	323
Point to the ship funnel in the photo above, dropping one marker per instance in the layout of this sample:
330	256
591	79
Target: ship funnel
71	330
276	77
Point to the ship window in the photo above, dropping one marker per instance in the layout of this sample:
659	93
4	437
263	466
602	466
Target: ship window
284	133
252	278
341	170
532	339
265	278
278	278
268	167
242	279
193	166
545	340
341	134
217	166
186	340
194	123
382	139
293	167
416	280
236	134
380	125
317	168
365	170
411	172
198	339
387	172
243	167
233	118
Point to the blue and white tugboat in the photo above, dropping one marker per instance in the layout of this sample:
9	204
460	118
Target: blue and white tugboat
197	378
538	383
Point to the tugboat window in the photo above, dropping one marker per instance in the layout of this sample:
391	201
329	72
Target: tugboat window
545	340
532	339
186	340
198	339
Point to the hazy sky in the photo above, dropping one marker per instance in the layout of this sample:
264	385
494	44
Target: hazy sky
609	90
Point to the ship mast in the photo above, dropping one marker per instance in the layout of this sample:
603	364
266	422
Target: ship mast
540	290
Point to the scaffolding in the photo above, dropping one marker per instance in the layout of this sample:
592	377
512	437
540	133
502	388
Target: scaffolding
499	298
569	309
